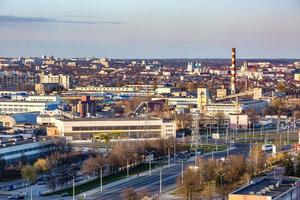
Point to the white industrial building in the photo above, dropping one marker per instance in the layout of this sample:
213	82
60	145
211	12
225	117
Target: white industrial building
31	149
118	128
10	107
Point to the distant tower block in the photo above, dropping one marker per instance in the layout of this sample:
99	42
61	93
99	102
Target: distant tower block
257	93
233	72
221	93
202	98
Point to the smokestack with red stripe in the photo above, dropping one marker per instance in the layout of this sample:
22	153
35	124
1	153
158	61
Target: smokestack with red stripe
233	72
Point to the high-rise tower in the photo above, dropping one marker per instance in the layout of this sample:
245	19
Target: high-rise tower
233	72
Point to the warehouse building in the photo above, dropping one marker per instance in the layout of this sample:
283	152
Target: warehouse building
90	129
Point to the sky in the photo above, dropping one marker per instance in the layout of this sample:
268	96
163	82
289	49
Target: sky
150	28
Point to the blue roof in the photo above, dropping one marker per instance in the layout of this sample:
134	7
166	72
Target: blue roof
25	118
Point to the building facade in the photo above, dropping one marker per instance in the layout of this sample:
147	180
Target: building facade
10	107
119	128
63	80
28	149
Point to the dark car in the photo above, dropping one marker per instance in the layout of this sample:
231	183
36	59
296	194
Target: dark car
65	194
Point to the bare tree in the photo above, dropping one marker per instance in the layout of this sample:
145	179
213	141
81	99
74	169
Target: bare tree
129	194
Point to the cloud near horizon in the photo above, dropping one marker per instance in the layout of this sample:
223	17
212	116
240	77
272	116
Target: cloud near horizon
11	19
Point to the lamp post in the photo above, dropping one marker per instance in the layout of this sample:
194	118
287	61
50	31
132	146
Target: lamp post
196	157
160	180
127	170
149	157
73	185
169	157
101	178
181	172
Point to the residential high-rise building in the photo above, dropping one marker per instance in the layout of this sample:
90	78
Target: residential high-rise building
63	80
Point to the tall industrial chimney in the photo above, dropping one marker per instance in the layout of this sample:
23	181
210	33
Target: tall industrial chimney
233	72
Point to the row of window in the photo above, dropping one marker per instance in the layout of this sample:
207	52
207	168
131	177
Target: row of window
92	128
89	136
20	105
14	109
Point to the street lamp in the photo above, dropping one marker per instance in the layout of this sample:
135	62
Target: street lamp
160	180
101	182
127	170
169	157
73	183
182	172
73	187
149	157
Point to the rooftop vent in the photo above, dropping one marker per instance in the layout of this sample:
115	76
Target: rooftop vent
267	189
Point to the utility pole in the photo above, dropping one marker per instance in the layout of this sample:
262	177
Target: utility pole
226	134
253	130
73	187
150	158
261	133
127	171
31	192
227	152
169	157
267	137
206	135
160	180
196	158
101	183
245	136
287	130
181	172
288	134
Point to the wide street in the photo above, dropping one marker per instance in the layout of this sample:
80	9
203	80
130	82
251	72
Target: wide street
152	182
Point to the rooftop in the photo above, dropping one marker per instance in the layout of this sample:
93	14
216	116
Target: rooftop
268	187
110	119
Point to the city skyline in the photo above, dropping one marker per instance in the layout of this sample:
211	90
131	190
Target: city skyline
144	29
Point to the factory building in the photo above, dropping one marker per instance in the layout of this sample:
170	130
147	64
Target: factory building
9	121
31	149
90	129
10	107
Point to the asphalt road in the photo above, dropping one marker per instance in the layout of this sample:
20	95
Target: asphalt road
152	182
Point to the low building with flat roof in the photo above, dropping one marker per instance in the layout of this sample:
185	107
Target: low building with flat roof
10	107
90	129
32	149
268	188
10	121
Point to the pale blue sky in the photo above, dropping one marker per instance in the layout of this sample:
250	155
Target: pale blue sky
150	28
